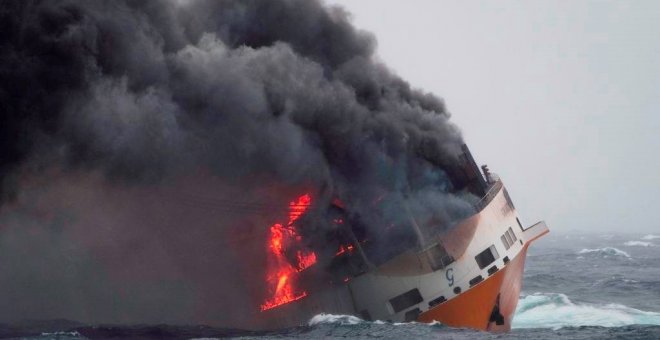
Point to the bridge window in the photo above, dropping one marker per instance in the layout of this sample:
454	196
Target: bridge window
512	235
508	238
505	242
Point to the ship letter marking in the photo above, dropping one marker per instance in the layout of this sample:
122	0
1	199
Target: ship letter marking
449	274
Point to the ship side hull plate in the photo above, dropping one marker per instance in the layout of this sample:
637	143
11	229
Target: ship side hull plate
483	306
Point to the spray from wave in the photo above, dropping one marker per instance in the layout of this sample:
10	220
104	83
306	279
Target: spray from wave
335	319
639	244
605	252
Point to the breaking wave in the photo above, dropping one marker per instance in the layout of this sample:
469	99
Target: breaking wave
349	320
605	251
323	318
61	335
539	310
555	311
650	237
639	244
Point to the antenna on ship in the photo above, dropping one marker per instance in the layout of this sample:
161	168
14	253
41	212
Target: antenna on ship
486	171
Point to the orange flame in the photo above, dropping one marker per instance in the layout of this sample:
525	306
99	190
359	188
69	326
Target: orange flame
305	260
281	274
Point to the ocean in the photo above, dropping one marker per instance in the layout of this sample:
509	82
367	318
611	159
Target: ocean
575	287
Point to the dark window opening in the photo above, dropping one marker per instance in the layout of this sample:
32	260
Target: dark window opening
476	280
405	300
412	314
506	259
486	257
505	242
492	270
437	301
365	315
457	290
509	239
438	257
512	235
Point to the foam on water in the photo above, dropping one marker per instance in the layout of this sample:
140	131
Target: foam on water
639	244
323	318
349	320
605	251
540	310
650	237
555	311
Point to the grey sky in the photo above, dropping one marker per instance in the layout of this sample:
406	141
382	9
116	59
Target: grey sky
560	98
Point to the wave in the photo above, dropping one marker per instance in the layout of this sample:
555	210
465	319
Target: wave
551	310
349	320
605	251
60	335
323	318
639	244
650	237
539	310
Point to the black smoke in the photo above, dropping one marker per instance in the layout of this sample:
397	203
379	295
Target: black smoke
108	102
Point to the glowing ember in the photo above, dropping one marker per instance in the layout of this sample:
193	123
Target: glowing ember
296	209
276	238
281	274
344	249
338	203
305	260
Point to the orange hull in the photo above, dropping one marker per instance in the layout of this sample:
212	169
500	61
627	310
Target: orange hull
501	291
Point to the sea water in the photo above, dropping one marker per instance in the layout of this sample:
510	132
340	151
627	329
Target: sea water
575	287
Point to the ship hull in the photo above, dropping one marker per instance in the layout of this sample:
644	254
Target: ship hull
488	306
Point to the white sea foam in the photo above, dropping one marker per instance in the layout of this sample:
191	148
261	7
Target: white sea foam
605	251
344	320
542	310
650	237
557	311
333	318
57	335
639	244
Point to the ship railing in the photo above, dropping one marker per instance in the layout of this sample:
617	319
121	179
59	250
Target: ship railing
493	189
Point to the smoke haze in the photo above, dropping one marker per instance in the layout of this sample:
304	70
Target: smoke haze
147	145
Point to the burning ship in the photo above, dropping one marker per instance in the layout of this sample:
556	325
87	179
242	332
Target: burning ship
162	141
469	275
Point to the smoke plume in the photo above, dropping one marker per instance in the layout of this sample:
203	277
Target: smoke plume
147	145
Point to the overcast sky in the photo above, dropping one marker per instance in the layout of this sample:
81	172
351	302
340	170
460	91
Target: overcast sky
560	98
